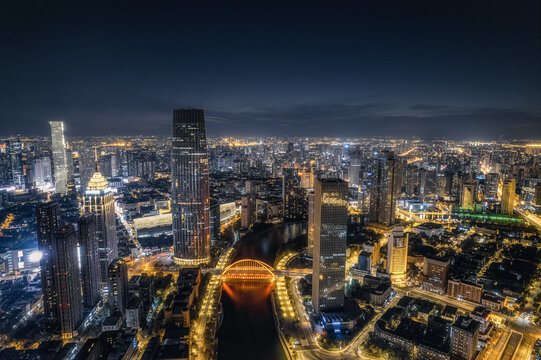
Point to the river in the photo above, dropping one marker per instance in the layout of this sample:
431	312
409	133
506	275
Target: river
248	330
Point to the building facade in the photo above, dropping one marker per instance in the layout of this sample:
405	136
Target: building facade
190	196
67	280
330	233
60	159
118	285
48	221
384	189
397	254
98	200
90	260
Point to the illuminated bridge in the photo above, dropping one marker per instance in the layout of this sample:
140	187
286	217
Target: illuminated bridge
248	270
254	270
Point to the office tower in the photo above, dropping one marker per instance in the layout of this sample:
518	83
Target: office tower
214	221
330	233
384	189
397	253
190	197
90	260
467	195
311	225
292	196
16	162
48	221
435	273
67	281
464	338
60	160
491	186
98	200
354	168
247	211
508	196
41	172
538	195
118	284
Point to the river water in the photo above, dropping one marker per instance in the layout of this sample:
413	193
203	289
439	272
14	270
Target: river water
248	330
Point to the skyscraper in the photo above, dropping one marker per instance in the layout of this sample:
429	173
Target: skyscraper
397	253
508	196
15	153
118	284
90	260
467	195
330	233
41	172
190	197
60	159
384	189
67	280
48	221
354	168
98	200
292	196
311	225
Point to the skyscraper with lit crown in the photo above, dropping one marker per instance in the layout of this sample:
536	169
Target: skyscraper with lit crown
98	200
190	196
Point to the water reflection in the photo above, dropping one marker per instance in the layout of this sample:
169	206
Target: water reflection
248	330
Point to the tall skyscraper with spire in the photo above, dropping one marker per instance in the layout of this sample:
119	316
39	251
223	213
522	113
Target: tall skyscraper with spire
60	158
98	200
48	221
190	196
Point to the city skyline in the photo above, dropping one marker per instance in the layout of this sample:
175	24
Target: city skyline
270	180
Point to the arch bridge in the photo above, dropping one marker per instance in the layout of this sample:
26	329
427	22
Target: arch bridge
248	270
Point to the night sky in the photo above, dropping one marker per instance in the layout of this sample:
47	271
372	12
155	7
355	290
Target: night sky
457	69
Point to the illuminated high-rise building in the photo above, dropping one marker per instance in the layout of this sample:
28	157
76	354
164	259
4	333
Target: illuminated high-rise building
491	186
48	221
292	196
330	233
15	154
60	160
90	260
98	200
190	196
468	194
384	189
118	284
508	196
538	195
311	225
41	172
397	253
67	280
354	168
